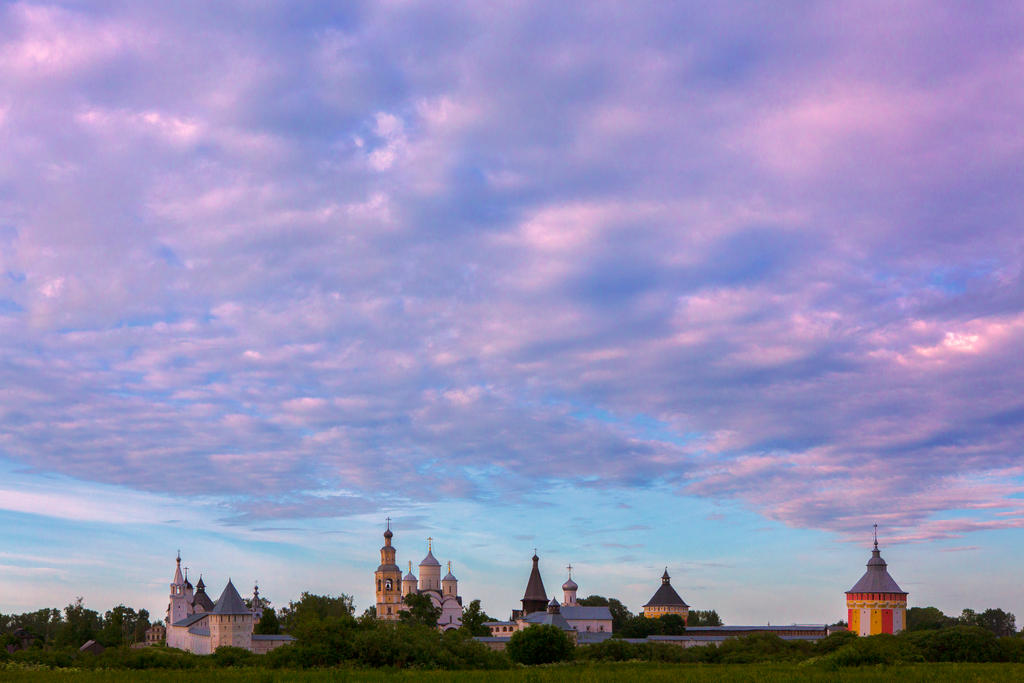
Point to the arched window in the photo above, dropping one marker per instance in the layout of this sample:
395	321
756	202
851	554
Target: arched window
387	584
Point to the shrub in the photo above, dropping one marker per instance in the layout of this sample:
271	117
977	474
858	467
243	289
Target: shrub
233	656
539	644
956	644
873	650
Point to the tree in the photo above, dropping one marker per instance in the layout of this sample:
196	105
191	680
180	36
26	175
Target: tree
620	613
369	615
539	644
698	617
312	608
80	625
999	622
421	610
927	619
268	624
473	618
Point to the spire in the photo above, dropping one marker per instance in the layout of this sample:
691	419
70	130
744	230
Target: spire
178	580
387	533
535	597
665	577
876	536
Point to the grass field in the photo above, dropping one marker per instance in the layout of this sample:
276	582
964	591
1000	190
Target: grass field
752	673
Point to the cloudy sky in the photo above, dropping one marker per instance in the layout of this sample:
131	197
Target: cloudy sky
707	286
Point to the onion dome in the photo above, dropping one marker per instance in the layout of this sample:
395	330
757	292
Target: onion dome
570	585
430	560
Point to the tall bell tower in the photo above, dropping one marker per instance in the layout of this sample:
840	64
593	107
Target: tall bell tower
388	580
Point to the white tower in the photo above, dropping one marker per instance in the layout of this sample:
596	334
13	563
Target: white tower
449	584
430	570
409	583
179	606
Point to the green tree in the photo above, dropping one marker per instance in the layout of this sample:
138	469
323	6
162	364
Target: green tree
708	617
80	625
539	644
269	623
998	621
473	618
368	616
620	613
311	608
421	610
927	619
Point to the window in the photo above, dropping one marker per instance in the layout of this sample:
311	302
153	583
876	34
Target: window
387	585
378	585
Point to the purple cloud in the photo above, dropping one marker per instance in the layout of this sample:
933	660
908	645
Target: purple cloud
770	255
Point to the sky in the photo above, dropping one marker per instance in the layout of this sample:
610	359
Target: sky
707	286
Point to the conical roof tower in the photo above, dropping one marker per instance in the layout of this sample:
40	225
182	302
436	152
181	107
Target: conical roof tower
535	599
876	603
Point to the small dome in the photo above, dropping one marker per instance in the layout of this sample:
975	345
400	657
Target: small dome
388	534
449	577
569	585
553	603
430	560
409	577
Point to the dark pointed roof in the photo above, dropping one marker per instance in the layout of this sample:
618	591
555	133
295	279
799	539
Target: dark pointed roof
230	602
201	599
535	585
666	595
430	560
201	586
876	579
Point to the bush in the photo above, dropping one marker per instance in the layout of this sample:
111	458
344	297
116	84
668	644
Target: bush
873	650
539	644
956	644
233	656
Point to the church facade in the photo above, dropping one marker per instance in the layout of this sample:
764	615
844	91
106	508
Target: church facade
391	587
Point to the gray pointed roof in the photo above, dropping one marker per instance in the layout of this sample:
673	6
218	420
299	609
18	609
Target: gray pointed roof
449	577
876	579
230	602
666	595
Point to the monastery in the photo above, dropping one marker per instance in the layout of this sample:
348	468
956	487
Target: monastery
199	625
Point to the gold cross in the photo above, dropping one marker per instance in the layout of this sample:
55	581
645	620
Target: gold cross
430	543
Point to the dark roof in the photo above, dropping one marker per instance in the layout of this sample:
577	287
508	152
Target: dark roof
535	585
203	600
550	618
199	631
876	579
666	594
230	602
283	636
430	560
188	621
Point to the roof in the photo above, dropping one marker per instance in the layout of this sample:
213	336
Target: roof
430	560
876	579
569	585
230	602
282	636
549	618
200	631
665	595
203	600
591	637
188	621
574	612
535	585
449	577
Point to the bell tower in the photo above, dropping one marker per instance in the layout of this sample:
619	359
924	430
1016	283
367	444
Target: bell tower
388	579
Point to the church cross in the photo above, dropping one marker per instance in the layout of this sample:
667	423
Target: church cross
570	570
876	536
430	543
389	523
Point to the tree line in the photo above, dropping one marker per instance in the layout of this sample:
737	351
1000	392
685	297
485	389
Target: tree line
73	626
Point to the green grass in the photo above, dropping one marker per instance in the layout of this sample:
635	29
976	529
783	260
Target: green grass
739	673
